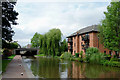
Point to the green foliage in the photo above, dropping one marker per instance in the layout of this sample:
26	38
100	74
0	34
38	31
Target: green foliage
49	43
76	54
81	54
40	55
9	17
110	27
11	57
64	46
108	56
80	59
111	63
92	51
96	58
114	59
6	53
6	62
13	45
66	55
35	40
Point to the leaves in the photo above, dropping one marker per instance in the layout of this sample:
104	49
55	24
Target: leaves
110	27
50	43
9	17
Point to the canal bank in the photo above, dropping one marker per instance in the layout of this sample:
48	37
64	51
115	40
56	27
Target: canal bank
17	69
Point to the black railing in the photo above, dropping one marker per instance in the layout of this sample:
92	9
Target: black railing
85	38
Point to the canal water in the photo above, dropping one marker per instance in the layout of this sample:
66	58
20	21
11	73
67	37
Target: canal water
43	67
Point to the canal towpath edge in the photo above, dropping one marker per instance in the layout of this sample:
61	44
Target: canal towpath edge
16	68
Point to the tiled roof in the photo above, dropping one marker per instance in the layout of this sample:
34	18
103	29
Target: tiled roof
86	30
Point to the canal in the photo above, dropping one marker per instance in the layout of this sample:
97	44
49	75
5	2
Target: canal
43	67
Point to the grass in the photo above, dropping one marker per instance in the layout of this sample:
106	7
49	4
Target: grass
6	62
56	56
11	57
40	55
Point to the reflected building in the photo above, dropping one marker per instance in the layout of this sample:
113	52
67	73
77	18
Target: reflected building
76	71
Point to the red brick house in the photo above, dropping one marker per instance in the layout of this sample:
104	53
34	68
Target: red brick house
84	38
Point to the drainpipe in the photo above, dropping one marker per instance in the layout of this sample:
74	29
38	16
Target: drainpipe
77	42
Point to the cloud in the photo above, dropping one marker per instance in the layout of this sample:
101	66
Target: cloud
68	17
65	0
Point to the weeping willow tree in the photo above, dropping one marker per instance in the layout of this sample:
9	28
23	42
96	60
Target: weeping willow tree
53	41
50	42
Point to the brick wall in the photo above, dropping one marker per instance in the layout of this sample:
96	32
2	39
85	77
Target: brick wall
94	42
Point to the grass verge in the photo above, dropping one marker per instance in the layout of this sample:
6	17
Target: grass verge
40	55
5	62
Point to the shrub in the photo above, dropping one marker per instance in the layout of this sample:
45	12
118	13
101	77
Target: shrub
66	55
108	56
90	53
80	59
6	53
96	58
76	54
106	63
81	54
92	50
114	59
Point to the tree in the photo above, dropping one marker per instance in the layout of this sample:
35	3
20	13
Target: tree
110	27
35	40
9	17
64	46
49	43
53	41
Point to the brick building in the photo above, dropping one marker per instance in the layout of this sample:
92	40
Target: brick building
28	46
84	38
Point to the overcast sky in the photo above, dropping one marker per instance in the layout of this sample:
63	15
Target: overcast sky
67	16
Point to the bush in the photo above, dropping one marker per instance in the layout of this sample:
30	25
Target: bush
76	54
96	58
106	63
92	50
108	57
66	55
80	60
6	53
114	59
90	53
81	54
112	63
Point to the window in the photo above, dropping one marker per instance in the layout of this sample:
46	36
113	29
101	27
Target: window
74	44
104	51
117	54
74	51
110	52
87	34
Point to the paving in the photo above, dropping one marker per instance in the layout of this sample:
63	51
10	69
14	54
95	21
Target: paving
17	69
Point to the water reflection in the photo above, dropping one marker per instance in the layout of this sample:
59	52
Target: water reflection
55	68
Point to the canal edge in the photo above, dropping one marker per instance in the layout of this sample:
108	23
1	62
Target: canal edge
28	71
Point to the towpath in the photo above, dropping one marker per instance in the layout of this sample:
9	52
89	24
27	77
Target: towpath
17	69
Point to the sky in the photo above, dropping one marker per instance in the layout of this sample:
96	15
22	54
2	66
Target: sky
67	16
